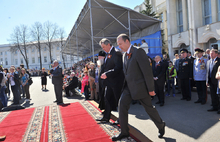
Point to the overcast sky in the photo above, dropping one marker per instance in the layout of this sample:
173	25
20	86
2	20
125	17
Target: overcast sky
63	12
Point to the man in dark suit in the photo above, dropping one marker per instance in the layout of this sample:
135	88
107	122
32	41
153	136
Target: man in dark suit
185	74
112	74
159	69
138	85
57	81
212	68
71	85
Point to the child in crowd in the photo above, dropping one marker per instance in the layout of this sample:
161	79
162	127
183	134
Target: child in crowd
85	85
170	75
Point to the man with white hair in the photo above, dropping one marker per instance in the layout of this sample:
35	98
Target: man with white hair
57	81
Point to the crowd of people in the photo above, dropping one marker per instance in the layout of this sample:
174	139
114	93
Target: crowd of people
15	81
115	80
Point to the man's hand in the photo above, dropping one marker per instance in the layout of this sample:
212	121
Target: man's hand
103	76
207	84
155	78
152	93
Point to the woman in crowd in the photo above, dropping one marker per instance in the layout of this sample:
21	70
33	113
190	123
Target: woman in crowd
7	91
92	81
24	81
217	76
85	85
44	78
170	75
3	79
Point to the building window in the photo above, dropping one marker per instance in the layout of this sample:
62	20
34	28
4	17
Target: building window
22	61
207	14
58	48
1	53
27	50
16	52
33	50
179	16
5	52
6	61
45	49
33	60
45	59
218	10
16	61
38	59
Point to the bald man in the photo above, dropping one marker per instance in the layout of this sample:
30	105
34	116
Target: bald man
159	69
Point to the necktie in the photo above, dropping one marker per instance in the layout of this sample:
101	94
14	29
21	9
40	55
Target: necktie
211	67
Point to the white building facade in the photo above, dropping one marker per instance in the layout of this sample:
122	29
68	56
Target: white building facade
9	57
192	24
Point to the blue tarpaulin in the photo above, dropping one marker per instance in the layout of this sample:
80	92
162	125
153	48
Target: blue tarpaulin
154	42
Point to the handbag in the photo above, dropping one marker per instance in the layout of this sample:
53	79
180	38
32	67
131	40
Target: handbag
30	81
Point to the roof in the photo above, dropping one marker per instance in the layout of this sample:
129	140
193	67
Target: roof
99	19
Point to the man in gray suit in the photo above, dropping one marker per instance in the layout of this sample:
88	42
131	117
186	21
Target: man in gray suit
138	85
57	81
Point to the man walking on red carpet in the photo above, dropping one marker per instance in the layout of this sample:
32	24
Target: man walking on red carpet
139	85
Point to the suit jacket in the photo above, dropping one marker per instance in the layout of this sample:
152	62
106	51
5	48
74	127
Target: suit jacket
138	73
212	79
73	83
113	69
57	76
159	71
185	68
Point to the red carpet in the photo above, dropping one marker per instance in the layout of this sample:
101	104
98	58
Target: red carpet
15	124
73	123
80	126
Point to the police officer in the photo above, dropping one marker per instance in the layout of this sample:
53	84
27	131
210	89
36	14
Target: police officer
199	73
185	74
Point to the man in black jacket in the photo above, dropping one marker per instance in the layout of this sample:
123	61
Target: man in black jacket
112	76
185	74
159	69
71	85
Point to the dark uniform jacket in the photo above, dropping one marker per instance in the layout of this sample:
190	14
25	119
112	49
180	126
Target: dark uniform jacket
185	68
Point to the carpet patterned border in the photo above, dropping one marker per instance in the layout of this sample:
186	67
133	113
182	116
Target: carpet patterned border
34	128
3	115
56	131
111	130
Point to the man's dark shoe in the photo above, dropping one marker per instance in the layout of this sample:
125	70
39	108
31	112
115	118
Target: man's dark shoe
161	104
60	103
55	101
188	99
183	99
104	120
2	138
218	111
197	102
158	102
119	137
212	109
162	131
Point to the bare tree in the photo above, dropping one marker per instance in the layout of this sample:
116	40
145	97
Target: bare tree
37	37
61	36
50	33
19	39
